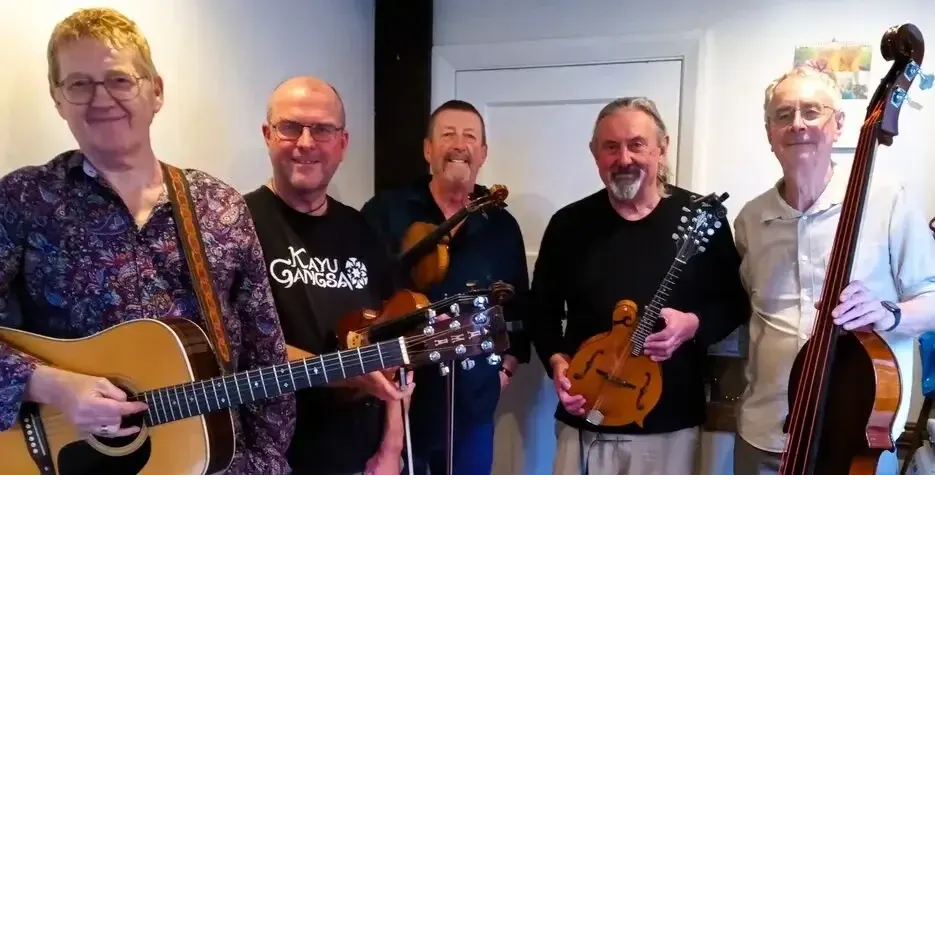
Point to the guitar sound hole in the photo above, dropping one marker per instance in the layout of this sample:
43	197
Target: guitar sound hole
122	455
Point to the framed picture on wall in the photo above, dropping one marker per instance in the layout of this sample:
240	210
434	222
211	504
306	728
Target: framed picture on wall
849	64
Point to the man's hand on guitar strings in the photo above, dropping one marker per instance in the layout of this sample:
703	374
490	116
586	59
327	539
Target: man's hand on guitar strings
93	405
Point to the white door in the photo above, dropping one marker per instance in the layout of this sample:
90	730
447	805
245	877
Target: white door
539	123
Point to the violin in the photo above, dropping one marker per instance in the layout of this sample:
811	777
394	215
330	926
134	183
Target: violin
425	245
620	384
845	387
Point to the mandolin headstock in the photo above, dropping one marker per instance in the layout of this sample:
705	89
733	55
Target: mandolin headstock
695	231
905	48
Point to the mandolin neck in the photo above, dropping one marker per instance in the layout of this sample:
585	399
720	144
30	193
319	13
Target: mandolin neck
658	302
171	403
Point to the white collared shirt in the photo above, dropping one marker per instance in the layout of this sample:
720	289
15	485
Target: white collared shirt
784	255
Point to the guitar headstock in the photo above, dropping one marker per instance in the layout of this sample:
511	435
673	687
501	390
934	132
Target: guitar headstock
905	48
695	231
466	326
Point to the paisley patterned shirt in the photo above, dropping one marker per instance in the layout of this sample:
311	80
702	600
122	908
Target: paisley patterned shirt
73	261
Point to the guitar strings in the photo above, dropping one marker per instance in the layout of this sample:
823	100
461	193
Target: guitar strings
417	349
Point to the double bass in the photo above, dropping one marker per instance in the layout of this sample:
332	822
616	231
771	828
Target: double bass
620	384
845	387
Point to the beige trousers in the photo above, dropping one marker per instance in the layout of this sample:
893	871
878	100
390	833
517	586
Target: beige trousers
665	453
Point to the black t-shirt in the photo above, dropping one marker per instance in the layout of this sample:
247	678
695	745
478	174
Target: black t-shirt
590	258
321	268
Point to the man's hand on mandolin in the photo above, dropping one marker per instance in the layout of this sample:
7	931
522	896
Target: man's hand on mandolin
92	404
576	405
680	327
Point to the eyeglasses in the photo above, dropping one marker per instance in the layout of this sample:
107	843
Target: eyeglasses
321	132
80	89
811	114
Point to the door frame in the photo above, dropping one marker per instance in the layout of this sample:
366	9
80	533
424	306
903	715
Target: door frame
688	48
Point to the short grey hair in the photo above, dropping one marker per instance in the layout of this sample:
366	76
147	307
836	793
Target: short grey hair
803	71
648	107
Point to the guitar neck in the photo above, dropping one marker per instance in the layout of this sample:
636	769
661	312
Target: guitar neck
171	403
653	310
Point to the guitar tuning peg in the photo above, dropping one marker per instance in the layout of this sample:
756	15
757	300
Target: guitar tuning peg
702	249
717	224
467	364
455	309
444	369
494	360
676	236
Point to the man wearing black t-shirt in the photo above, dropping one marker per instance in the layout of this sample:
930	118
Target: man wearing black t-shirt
324	261
617	244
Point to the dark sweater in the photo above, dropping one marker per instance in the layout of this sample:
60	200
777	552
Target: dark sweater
590	258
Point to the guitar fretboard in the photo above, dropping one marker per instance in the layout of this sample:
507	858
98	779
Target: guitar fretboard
170	403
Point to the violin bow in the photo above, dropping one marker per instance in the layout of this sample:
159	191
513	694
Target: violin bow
403	380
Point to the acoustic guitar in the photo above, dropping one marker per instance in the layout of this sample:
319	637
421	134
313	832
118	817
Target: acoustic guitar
170	364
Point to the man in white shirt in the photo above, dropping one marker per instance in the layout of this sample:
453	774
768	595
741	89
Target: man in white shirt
785	236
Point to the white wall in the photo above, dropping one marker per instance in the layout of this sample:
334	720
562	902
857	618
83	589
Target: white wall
747	44
220	59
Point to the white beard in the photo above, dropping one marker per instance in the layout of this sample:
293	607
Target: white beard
624	188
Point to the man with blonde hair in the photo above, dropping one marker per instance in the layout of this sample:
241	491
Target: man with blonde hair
616	244
89	240
323	262
785	236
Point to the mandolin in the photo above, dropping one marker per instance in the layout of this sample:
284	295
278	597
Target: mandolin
171	366
845	387
619	382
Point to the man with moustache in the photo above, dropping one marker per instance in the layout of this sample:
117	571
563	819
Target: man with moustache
785	236
617	244
324	261
89	240
486	247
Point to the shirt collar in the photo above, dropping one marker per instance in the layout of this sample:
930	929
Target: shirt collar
777	209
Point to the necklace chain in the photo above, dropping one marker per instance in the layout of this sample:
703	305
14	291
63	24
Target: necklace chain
313	210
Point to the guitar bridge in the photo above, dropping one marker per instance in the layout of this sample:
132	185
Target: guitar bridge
36	441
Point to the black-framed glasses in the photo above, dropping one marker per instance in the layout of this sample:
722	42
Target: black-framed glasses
291	130
80	89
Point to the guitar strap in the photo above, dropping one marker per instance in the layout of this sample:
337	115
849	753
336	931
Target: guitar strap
187	223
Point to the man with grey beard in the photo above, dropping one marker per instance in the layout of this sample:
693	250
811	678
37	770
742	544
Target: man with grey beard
618	244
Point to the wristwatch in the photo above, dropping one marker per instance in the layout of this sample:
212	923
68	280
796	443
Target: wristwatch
895	309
